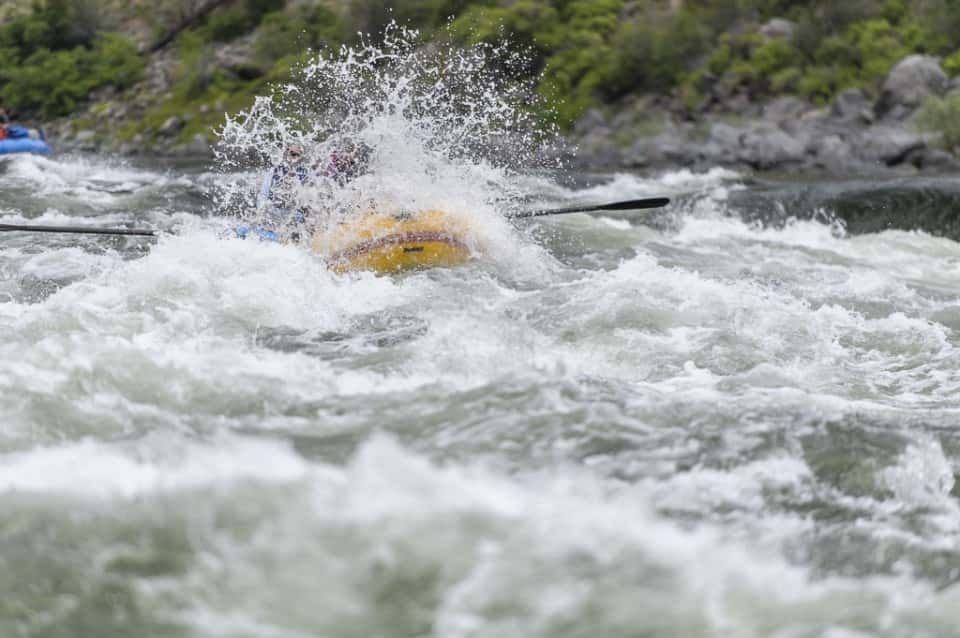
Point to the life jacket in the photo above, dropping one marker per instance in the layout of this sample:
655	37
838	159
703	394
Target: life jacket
3	132
19	133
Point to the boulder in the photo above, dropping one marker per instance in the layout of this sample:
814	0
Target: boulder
666	148
852	106
887	144
198	145
128	149
832	153
761	146
86	140
934	159
784	109
239	58
766	147
589	121
171	127
778	29
910	82
598	149
812	123
725	136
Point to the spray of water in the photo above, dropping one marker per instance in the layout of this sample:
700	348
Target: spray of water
437	126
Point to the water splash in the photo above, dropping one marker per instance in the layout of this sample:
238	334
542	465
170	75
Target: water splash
446	127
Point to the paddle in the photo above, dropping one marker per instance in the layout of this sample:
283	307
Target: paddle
633	204
28	228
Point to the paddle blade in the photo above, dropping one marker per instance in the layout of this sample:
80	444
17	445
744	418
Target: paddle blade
633	204
636	204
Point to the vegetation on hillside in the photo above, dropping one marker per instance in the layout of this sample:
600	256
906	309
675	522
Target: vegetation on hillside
54	56
584	52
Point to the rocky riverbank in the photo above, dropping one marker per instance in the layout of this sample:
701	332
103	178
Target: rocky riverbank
731	128
853	134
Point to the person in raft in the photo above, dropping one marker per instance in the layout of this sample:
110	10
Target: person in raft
348	161
9	131
278	199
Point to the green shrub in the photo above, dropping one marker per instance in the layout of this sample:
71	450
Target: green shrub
195	72
54	82
838	51
116	62
773	56
820	84
578	72
656	54
721	58
238	19
570	42
531	24
56	25
942	115
371	16
951	64
786	80
942	17
289	33
879	47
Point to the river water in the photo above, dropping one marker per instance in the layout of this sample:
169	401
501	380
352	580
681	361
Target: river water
737	416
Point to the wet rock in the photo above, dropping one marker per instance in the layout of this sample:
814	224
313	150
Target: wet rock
171	127
784	109
160	72
725	136
910	82
853	107
813	123
199	145
239	59
85	140
778	29
129	148
598	149
242	69
196	147
934	159
741	104
831	152
589	121
762	146
887	144
652	151
670	146
766	147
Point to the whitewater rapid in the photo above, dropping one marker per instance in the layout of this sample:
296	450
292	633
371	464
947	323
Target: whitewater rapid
672	423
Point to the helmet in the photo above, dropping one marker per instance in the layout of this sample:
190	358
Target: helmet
293	153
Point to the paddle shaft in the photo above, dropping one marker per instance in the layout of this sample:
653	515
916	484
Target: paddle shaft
29	228
633	204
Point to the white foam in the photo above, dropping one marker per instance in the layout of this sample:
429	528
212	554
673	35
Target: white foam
99	470
923	477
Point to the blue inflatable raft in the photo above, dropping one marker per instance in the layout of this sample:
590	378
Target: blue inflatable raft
23	140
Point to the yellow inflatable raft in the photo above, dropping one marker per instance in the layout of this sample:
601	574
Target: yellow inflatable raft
387	243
